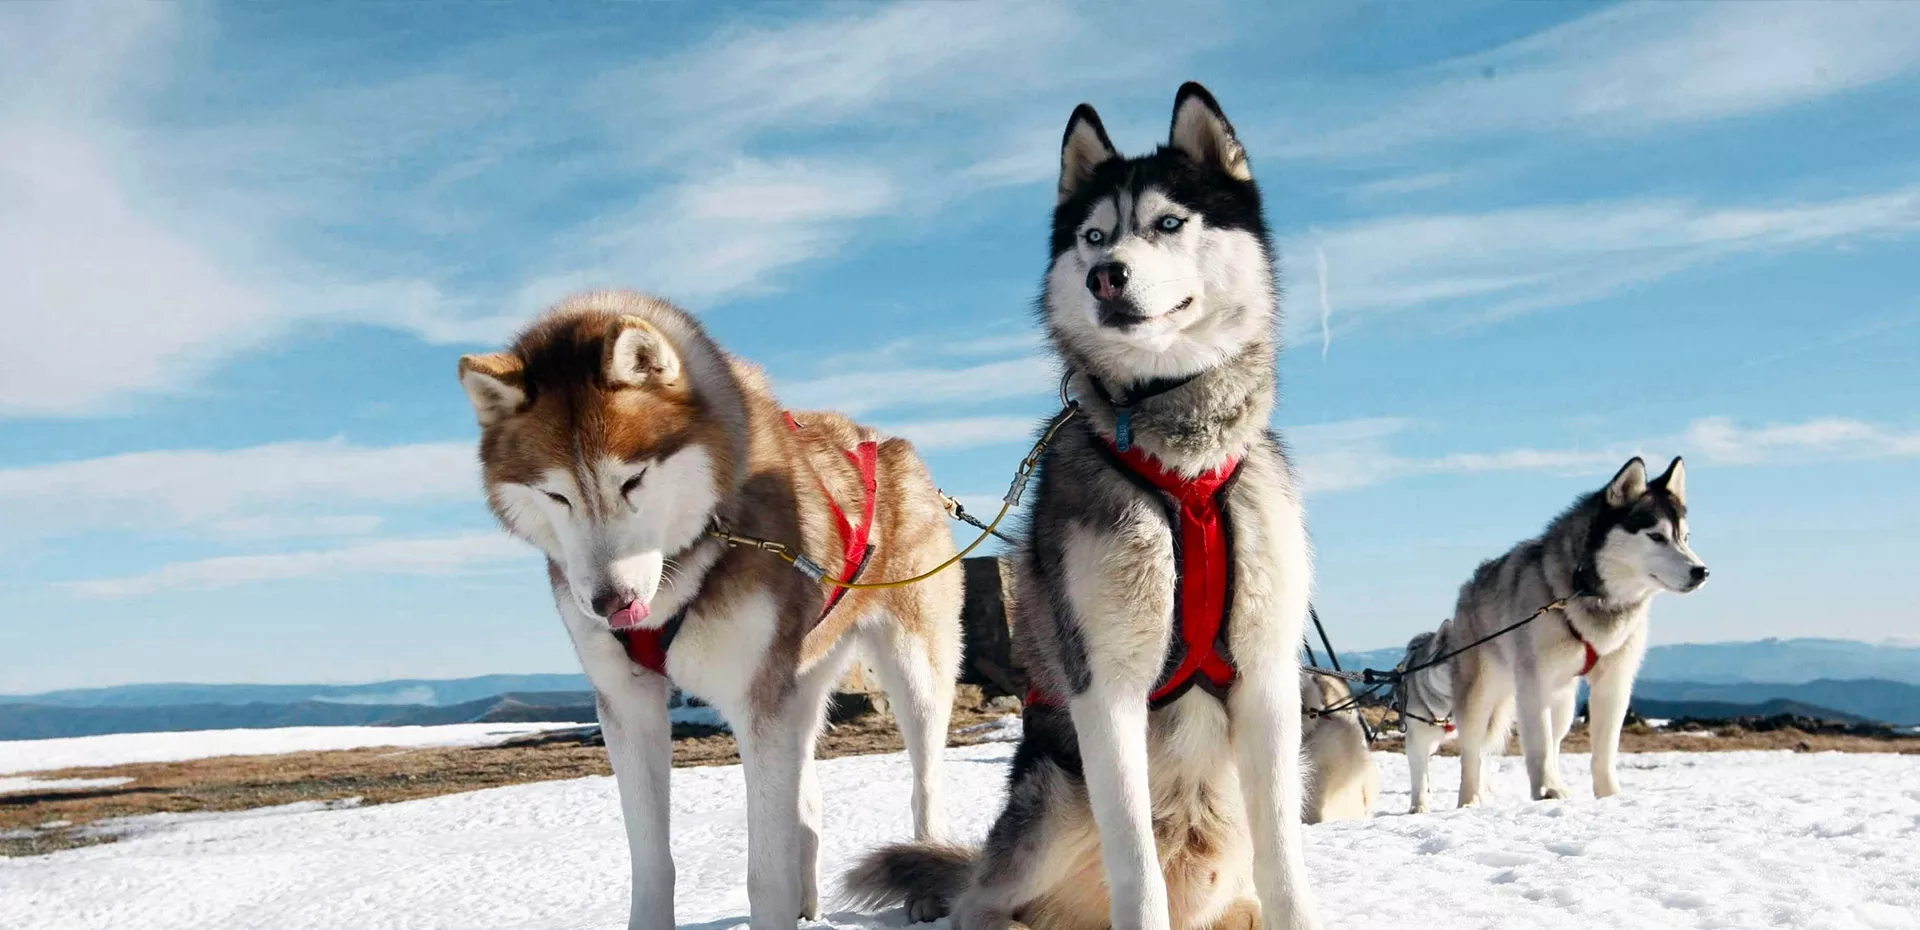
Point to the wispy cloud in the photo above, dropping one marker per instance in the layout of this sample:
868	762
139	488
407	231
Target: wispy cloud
257	491
857	64
1405	184
111	297
965	432
1326	304
139	252
740	225
1488	266
1831	438
1348	454
1359	453
449	555
906	388
1636	67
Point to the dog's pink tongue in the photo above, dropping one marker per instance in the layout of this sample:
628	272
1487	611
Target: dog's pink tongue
629	617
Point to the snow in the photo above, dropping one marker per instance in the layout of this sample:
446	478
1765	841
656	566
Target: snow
23	785
1699	840
42	755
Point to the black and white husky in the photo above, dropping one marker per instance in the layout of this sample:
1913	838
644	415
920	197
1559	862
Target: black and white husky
1616	548
1163	587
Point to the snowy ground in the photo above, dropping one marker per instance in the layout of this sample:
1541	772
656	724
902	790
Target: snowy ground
39	755
24	785
1710	840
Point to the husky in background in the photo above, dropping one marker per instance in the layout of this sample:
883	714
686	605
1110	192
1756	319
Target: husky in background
614	435
1342	781
1608	554
1424	701
1137	800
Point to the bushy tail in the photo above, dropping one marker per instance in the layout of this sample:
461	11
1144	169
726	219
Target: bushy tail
929	874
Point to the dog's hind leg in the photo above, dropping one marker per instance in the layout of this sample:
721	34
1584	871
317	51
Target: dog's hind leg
918	675
1023	850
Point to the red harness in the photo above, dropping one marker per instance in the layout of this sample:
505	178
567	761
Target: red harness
857	539
1197	653
648	648
1593	655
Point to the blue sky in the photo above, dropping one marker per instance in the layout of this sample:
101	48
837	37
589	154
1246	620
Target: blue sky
242	246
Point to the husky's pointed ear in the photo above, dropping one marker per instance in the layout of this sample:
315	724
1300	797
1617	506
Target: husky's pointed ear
1084	148
494	385
1202	133
1627	485
1674	482
640	354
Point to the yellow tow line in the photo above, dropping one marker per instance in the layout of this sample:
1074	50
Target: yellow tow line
817	572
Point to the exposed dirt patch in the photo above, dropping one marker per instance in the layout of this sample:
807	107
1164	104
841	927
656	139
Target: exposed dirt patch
376	775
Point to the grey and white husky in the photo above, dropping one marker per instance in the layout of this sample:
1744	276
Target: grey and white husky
1615	549
1167	548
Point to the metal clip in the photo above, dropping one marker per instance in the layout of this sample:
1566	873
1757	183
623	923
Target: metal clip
808	567
1019	488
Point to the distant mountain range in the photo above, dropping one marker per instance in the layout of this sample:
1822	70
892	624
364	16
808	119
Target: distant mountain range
1787	661
1718	710
1836	679
1831	678
1874	699
1774	661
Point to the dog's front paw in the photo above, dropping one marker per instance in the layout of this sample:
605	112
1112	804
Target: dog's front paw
925	910
1553	792
1419	806
1605	788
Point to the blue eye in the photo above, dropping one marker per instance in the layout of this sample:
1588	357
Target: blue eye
1094	236
1169	223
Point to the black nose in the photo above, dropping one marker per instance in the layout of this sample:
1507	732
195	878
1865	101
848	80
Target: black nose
607	600
1699	573
1107	280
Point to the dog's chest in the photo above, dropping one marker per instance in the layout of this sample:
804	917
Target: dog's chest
718	654
1609	631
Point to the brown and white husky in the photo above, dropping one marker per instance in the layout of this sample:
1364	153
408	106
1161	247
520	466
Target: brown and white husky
617	437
